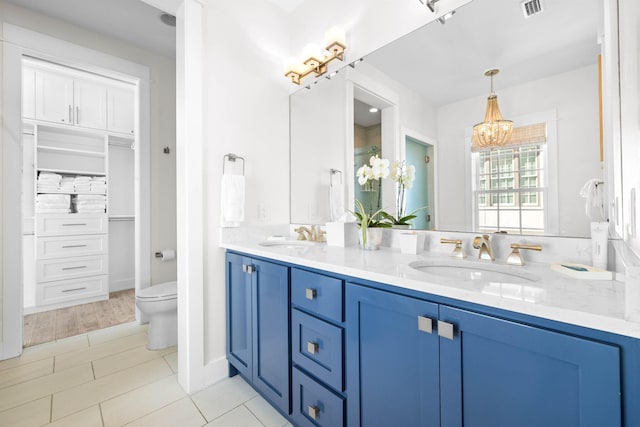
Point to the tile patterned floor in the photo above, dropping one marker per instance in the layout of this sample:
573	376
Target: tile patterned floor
108	378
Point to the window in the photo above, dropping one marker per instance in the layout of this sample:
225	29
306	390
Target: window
509	185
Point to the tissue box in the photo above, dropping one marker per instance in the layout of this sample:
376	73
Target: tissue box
342	234
411	243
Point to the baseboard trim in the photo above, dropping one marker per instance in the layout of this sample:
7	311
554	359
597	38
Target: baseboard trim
121	285
216	370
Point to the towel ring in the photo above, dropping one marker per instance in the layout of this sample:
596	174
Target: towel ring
231	158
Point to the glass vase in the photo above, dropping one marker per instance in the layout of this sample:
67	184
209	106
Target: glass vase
370	238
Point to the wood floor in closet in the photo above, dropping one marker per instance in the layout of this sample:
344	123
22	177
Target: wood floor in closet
65	322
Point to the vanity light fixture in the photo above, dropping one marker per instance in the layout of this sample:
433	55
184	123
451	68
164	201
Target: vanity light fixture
494	131
431	4
317	60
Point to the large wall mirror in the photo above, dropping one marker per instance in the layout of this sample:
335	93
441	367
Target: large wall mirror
429	89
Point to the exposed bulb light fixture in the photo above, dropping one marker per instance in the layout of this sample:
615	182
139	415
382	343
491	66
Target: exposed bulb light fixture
316	59
494	131
373	110
431	4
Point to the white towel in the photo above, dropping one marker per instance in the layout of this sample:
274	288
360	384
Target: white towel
232	200
336	199
594	205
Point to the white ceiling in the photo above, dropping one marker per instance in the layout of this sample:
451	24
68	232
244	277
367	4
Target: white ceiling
363	117
446	63
287	5
131	21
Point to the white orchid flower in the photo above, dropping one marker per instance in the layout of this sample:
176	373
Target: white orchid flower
363	174
380	167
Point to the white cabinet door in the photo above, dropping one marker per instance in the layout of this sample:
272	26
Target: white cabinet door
120	107
54	97
28	93
90	104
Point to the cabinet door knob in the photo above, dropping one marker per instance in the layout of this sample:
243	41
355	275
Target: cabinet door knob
312	347
445	330
310	293
425	324
248	268
313	411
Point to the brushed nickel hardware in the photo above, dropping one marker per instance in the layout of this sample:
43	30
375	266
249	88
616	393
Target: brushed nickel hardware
486	252
74	268
312	234
425	324
74	246
74	289
313	411
458	252
312	347
248	268
74	225
515	258
310	293
445	330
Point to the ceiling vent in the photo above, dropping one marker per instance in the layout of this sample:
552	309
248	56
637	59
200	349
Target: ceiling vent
531	8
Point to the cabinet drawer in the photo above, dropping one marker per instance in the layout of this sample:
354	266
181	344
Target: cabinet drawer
66	290
69	246
49	270
314	405
317	293
317	346
70	224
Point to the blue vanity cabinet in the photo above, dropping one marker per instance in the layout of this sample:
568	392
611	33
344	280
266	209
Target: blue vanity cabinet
496	372
317	350
258	342
393	374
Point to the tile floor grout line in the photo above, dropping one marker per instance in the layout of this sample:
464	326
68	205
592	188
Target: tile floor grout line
206	421
51	409
155	410
101	415
252	413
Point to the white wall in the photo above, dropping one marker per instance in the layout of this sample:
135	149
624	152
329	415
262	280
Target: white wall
162	85
246	112
574	95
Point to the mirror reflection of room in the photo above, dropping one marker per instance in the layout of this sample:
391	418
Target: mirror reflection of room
367	142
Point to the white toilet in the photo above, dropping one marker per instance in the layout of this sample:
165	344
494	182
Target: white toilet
160	304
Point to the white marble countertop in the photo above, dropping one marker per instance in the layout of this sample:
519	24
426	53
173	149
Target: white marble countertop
594	304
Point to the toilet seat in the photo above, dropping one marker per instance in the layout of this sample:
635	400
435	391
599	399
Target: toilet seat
161	292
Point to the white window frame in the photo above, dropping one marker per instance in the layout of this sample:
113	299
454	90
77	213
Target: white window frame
550	151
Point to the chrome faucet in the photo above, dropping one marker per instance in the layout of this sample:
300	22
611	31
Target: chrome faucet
485	251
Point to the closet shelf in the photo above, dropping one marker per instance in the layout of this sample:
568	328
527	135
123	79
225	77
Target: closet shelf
74	193
72	172
52	149
122	217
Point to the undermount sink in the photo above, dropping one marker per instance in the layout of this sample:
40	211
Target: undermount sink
473	271
288	243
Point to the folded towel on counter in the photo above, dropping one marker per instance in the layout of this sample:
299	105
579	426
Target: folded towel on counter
232	200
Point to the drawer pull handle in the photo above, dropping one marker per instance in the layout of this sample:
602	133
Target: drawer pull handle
74	289
74	225
74	268
445	329
313	411
310	293
74	246
312	347
425	324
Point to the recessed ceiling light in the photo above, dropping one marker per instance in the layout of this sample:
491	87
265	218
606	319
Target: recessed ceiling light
373	110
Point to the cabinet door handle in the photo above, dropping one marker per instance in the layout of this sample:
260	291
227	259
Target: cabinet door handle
312	347
310	293
77	115
74	289
313	411
445	330
425	324
248	268
74	246
74	268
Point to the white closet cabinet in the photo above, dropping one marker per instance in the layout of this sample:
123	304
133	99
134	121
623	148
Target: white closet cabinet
69	99
54	97
79	127
120	110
